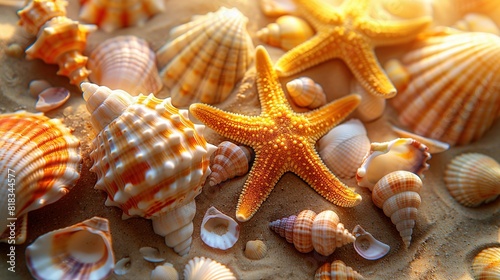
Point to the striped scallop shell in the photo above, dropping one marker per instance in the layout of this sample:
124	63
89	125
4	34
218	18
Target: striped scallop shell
306	93
452	95
255	249
150	159
336	270
80	251
37	12
115	14
206	57
473	179
307	231
126	63
40	162
486	264
202	268
229	161
164	272
286	33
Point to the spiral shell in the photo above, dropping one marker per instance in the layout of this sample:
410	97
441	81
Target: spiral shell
255	249
398	194
307	231
286	33
126	63
39	161
336	270
81	251
368	246
306	93
486	264
206	57
218	230
38	12
150	159
229	161
473	179
202	268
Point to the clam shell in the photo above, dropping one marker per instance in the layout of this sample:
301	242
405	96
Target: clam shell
206	57
486	264
229	161
81	251
202	268
218	230
286	33
126	63
34	15
336	270
122	266
306	93
164	272
367	246
255	249
473	179
52	98
151	254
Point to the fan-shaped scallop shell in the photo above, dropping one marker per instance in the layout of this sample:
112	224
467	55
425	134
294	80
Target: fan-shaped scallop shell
307	231
115	14
486	264
344	147
218	230
255	249
229	161
306	93
286	33
398	194
81	251
202	268
38	12
336	270
452	95
150	159
473	179
206	57
40	163
126	63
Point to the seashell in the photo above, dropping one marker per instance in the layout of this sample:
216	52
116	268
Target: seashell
122	266
486	264
434	145
230	160
81	251
52	98
164	272
126	63
110	15
306	93
452	92
255	249
206	57
398	194
397	73
398	154
157	170
473	179
307	231
34	15
367	246
402	9
474	22
286	33
202	268
336	270
371	107
37	86
151	254
14	50
39	161
276	8
347	141
218	230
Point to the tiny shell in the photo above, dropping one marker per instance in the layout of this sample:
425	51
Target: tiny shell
397	73
34	15
218	230
202	268
477	23
306	93
255	249
367	246
52	98
229	161
336	270
151	254
164	272
37	86
14	50
122	266
486	264
286	33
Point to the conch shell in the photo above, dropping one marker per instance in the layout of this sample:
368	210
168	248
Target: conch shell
306	93
286	33
336	270
229	161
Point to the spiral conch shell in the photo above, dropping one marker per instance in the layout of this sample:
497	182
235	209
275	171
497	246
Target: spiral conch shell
206	57
306	93
39	161
336	270
473	179
150	159
287	32
229	160
486	264
307	231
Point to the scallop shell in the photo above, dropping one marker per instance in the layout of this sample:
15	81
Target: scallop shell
229	161
486	264
371	107
307	231
336	270
52	98
218	230
286	33
398	154
206	57
477	23
452	95
367	246
126	63
255	249
110	15
344	147
306	93
157	170
202	268
473	179
81	251
164	272
34	15
398	194
40	163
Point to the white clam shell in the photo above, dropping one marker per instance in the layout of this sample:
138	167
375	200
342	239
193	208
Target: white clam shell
151	254
51	98
164	272
218	230
202	268
122	266
367	246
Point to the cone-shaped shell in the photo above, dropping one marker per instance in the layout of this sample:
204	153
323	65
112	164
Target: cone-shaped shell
37	12
206	57
218	230
306	93
126	63
286	33
336	270
229	161
202	268
486	264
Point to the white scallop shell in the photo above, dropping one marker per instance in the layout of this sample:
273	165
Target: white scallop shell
51	98
202	268
306	93
218	230
367	246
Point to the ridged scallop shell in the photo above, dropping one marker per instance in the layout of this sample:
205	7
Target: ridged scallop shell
307	231
110	15
206	57
486	264
164	272
398	154
255	249
371	107
37	12
126	63
81	251
306	93
398	194
452	95
477	23
473	179
218	230
202	268
343	148
51	98
229	161
286	33
150	159
43	160
336	270
367	246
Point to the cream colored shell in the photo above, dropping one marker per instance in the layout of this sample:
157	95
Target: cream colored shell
286	33
486	264
306	93
202	268
229	161
255	249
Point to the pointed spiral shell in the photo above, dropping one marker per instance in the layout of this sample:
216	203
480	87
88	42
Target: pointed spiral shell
229	161
336	270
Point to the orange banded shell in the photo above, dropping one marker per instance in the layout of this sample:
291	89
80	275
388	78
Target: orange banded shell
229	161
336	270
38	12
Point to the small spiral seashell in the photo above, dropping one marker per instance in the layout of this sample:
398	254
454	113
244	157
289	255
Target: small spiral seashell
255	249
486	264
306	93
51	98
164	272
38	12
307	231
367	246
229	161
473	179
218	230
336	270
286	33
202	268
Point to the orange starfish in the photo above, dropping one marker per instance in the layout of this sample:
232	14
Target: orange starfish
347	32
283	140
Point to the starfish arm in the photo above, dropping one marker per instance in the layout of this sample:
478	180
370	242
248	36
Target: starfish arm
383	33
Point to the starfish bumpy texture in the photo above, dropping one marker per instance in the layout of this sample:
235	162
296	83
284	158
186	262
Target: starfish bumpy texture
347	32
282	139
